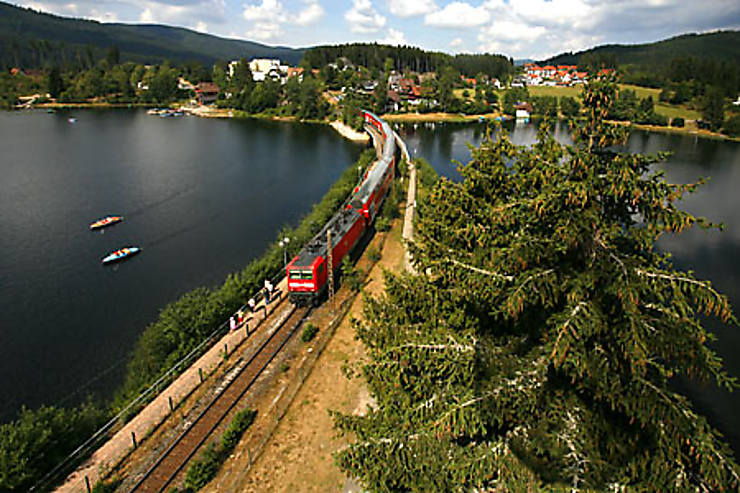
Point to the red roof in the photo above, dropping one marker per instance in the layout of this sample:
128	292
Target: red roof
207	88
581	75
549	67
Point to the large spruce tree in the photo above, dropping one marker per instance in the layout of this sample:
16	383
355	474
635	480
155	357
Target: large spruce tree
537	349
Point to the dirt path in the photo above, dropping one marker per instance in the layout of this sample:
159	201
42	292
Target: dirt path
298	456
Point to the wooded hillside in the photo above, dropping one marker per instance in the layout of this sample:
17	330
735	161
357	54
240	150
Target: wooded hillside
31	39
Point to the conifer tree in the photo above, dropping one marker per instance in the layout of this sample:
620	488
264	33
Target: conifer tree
535	351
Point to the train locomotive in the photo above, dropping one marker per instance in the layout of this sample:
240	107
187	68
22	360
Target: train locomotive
308	272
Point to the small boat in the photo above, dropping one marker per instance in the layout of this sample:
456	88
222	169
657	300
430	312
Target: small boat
106	221
50	111
121	254
72	120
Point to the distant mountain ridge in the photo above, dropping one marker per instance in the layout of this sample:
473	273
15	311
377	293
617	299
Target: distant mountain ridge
32	39
718	45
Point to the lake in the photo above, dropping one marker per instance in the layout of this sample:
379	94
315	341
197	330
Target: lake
710	254
202	197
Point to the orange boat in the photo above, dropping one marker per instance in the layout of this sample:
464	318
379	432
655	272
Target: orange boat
106	221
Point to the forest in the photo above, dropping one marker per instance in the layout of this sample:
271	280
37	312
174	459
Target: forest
406	58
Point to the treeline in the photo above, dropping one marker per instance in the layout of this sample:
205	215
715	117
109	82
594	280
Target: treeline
407	58
40	53
124	83
299	96
719	46
691	73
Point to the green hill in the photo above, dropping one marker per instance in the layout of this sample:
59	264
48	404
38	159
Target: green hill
720	46
32	39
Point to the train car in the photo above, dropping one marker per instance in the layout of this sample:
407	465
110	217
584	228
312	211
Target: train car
308	272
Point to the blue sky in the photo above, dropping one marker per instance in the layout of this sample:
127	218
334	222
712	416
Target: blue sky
516	28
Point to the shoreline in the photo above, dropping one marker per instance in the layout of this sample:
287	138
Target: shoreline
349	133
352	135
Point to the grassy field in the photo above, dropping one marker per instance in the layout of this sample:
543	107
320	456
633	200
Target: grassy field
667	110
671	111
459	93
642	92
559	92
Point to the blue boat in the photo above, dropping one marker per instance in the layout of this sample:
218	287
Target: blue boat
121	254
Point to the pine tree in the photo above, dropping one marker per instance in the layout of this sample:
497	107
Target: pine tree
537	349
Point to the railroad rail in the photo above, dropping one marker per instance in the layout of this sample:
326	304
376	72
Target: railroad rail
172	461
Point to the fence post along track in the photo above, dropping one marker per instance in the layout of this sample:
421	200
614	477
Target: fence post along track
119	421
177	455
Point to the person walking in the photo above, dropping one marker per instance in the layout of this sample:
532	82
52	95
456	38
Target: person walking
267	291
270	288
232	323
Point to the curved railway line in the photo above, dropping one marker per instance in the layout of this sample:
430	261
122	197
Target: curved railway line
167	467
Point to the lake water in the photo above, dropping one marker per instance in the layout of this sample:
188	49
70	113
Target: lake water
201	197
711	254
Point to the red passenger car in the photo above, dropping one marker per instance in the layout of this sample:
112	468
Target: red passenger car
308	272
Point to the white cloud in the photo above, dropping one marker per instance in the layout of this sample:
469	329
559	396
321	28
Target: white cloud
310	15
458	15
201	27
363	18
186	13
456	43
270	17
511	31
411	8
269	11
265	31
394	37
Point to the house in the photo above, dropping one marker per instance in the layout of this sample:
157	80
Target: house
580	78
295	72
394	80
394	101
231	67
206	93
263	68
468	81
523	110
519	81
370	86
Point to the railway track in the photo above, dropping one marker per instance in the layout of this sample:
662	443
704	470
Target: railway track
239	380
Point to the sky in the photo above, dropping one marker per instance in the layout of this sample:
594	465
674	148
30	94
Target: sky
517	28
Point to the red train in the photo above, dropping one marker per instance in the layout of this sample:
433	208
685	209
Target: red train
308	271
